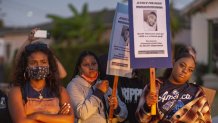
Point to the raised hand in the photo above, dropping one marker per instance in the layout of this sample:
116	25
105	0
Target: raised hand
31	35
151	98
103	86
113	102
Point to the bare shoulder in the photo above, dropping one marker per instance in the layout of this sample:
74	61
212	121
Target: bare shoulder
14	91
15	97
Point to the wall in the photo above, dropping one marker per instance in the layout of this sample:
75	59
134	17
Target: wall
199	27
15	41
199	36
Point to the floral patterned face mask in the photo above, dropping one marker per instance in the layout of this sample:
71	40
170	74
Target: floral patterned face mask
38	73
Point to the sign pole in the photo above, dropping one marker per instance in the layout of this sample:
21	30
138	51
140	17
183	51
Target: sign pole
152	89
114	91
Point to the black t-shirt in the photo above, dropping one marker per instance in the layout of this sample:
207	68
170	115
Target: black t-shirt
4	113
172	97
129	90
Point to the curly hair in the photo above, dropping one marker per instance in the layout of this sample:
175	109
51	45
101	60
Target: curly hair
19	74
80	59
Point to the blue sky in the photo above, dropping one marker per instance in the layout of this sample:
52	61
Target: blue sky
31	12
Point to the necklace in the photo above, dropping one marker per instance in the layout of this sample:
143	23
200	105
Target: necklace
40	94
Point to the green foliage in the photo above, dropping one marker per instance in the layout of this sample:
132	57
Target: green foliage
176	20
68	55
79	28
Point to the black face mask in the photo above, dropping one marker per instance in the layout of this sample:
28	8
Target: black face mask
38	73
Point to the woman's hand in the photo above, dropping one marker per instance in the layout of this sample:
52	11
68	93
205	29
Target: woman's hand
103	86
65	109
34	116
31	35
113	102
151	98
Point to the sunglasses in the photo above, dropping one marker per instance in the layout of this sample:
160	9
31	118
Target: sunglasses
33	47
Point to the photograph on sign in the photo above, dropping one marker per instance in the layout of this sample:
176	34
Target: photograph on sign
150	20
151	38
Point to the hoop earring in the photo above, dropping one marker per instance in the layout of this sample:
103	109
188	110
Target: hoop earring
24	74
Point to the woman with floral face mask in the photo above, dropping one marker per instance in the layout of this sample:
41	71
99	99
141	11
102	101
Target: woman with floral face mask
32	39
177	100
37	95
89	95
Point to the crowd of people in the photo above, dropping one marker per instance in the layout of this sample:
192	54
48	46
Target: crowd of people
37	95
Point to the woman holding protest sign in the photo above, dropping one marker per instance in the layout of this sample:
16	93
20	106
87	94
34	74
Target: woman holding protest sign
176	99
89	95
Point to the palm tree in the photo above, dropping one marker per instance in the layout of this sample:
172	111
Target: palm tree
79	28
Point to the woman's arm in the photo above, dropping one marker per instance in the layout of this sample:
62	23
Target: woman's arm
196	111
198	108
56	118
16	108
61	69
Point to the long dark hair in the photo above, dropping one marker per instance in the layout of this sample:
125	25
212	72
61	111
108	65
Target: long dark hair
80	59
20	77
183	52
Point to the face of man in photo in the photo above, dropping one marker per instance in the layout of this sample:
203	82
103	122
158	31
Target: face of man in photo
151	19
126	34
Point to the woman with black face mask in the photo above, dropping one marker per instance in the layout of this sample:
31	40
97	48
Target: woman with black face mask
37	95
32	39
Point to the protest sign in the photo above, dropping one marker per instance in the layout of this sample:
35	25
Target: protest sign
119	51
150	34
118	63
150	45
